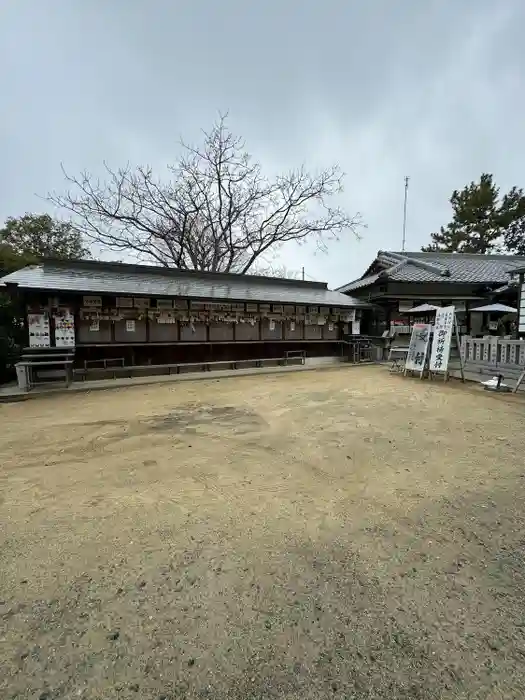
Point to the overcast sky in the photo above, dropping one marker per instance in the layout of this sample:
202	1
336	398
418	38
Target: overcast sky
432	89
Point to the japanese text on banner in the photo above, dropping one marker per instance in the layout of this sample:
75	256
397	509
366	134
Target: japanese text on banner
417	350
443	327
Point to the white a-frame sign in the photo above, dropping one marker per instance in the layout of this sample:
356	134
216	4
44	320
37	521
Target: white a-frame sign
445	327
418	349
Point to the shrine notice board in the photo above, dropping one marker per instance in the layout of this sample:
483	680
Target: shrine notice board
417	350
443	328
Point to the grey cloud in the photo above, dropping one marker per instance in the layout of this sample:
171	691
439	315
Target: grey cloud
432	90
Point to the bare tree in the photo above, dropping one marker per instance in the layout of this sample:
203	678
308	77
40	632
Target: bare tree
217	211
271	270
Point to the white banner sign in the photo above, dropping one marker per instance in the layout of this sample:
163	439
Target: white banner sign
417	350
441	341
521	320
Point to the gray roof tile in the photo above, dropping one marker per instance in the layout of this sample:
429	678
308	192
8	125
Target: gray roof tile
363	282
118	278
441	267
469	267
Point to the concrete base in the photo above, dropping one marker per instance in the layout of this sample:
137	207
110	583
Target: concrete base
12	393
509	378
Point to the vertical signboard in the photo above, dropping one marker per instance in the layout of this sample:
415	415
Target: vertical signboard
417	350
64	329
38	325
443	327
521	318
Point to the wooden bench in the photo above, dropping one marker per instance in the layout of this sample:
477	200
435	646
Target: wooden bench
33	365
109	363
295	354
106	362
47	356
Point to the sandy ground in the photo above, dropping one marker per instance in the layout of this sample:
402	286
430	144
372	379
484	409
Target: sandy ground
331	534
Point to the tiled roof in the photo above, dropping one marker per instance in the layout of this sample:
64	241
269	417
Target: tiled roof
137	280
439	267
357	284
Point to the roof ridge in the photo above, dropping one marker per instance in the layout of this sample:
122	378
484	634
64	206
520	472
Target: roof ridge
405	258
438	269
387	256
393	269
455	254
363	280
243	288
115	266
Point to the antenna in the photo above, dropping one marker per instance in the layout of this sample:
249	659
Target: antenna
405	215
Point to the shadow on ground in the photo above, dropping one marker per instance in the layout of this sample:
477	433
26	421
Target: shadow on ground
412	609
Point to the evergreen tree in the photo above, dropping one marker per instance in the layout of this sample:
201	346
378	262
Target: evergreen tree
23	241
477	221
513	221
40	236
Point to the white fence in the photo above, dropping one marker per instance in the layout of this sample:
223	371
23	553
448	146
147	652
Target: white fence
500	353
489	356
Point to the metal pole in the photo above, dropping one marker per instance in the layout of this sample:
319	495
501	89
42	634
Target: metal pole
405	214
302	270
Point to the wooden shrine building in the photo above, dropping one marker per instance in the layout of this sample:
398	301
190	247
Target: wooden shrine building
396	282
136	315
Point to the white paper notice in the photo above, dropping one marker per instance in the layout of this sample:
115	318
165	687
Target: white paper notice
272	324
441	340
130	326
94	326
64	329
417	350
38	325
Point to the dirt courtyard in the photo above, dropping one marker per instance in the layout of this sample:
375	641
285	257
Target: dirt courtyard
331	534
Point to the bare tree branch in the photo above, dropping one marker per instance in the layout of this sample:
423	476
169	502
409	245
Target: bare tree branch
216	211
271	270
